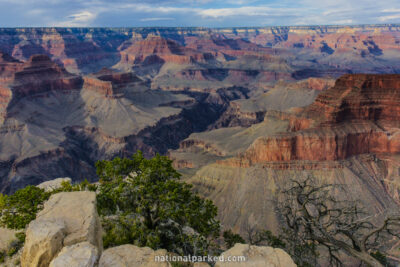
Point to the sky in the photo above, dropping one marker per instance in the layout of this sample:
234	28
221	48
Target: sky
195	13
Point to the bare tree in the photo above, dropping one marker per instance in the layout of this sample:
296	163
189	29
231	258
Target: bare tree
314	217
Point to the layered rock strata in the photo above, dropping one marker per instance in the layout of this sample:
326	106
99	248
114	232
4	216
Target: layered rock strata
359	115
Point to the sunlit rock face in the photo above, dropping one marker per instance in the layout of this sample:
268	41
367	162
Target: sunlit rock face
360	114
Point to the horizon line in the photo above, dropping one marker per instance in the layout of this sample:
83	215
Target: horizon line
203	27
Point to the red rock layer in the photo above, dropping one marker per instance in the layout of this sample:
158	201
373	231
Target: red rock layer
350	41
110	84
359	97
166	50
99	86
360	114
321	144
8	66
41	75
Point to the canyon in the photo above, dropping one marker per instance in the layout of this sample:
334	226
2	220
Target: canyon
240	111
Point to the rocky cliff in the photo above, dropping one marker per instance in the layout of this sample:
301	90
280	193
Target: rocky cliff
95	93
349	135
359	115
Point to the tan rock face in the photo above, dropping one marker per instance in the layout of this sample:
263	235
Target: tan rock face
44	238
201	264
79	255
78	210
256	257
132	256
66	219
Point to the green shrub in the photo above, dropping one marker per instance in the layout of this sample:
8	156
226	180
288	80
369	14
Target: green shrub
2	256
380	257
16	244
142	202
267	238
18	209
68	187
231	239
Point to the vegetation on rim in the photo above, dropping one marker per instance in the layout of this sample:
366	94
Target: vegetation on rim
142	202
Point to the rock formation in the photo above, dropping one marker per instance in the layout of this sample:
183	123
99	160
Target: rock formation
67	233
67	220
72	96
349	135
81	254
130	255
359	115
40	75
256	256
110	84
58	112
239	110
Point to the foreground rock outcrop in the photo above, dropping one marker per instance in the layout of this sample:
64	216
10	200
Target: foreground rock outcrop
67	232
67	219
79	255
255	256
132	256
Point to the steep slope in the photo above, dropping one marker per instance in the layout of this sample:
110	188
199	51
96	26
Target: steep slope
59	124
349	135
360	114
282	96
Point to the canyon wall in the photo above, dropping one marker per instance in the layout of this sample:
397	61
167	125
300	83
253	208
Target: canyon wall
72	96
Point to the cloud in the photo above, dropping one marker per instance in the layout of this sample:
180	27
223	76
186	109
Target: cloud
391	17
211	13
81	19
241	11
156	19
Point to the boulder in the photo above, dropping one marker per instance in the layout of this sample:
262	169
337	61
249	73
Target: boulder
79	255
53	184
44	238
256	256
132	256
6	236
201	264
78	211
67	218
